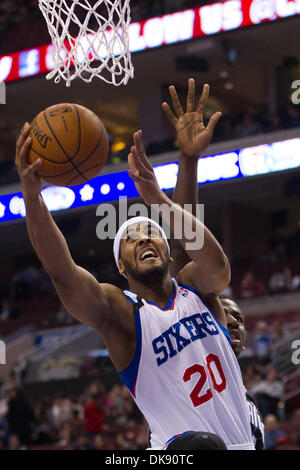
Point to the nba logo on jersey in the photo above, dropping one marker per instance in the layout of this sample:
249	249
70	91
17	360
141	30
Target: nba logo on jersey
183	291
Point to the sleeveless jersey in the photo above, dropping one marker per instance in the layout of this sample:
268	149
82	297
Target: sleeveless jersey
184	375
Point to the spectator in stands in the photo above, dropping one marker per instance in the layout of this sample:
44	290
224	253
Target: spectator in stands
274	123
291	117
62	317
248	124
20	369
273	435
122	442
268	393
98	442
20	416
277	283
82	443
131	436
4	429
295	422
5	310
60	411
15	444
64	436
261	340
277	332
114	395
77	422
283	281
24	282
8	311
44	431
94	411
251	287
252	375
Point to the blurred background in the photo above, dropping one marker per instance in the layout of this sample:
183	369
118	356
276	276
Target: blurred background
59	389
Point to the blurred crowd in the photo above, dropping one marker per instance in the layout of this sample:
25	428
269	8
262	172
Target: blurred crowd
237	125
273	271
252	122
279	282
264	336
265	386
95	420
101	419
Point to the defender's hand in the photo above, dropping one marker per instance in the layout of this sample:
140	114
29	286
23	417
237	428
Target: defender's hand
31	182
193	137
142	173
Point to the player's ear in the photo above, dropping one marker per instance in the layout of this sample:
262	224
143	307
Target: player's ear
121	267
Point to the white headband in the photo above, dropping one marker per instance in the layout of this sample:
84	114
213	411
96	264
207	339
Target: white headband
135	220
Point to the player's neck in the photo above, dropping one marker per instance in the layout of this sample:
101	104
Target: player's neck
156	292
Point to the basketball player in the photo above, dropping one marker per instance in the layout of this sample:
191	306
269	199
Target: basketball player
171	351
236	327
186	192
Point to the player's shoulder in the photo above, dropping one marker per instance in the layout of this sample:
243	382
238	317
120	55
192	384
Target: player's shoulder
211	300
121	312
116	297
183	283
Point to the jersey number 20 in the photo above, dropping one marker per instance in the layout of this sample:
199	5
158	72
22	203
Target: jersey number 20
218	384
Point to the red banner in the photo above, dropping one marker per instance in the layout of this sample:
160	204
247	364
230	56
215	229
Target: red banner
163	30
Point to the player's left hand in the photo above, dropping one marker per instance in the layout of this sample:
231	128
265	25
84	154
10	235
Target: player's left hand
193	137
142	172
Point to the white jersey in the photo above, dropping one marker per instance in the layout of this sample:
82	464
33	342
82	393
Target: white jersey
184	376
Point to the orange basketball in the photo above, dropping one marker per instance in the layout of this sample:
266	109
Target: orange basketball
72	143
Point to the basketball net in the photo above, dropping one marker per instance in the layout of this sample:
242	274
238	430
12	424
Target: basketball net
89	39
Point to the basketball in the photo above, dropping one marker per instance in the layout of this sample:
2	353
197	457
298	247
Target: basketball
72	143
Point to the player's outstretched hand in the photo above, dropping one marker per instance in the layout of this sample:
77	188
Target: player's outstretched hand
31	182
193	137
142	172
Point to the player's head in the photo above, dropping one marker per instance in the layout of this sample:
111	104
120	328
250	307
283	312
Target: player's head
235	324
141	250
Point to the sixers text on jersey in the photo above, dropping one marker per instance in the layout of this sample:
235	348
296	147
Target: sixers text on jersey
196	327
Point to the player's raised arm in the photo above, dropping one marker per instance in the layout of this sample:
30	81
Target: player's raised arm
209	271
83	297
193	139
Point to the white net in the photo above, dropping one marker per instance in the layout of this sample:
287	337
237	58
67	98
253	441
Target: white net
90	39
